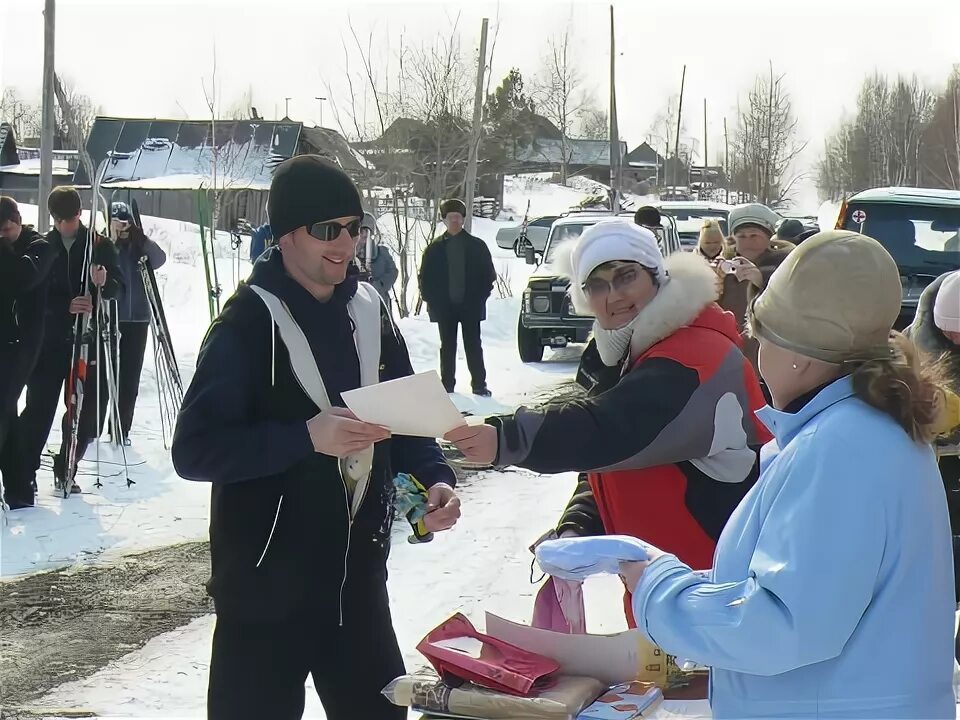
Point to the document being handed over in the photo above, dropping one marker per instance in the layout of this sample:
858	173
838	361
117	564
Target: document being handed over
416	405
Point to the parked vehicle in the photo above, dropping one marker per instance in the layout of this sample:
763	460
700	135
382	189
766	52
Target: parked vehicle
538	229
920	228
547	318
690	216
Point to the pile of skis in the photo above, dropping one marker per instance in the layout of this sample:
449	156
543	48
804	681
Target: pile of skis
169	384
80	355
103	322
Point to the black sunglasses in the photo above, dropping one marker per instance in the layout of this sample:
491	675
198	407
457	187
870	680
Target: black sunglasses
329	230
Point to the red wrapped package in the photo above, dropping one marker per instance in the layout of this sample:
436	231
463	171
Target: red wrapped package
456	648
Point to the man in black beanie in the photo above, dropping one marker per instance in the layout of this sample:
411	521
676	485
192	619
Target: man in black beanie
301	490
647	216
456	278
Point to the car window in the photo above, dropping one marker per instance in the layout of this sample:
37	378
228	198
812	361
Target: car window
562	234
920	237
543	222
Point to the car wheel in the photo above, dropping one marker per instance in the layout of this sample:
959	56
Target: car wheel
528	344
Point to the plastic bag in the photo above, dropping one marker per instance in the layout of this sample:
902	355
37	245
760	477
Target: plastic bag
425	692
559	607
456	649
577	558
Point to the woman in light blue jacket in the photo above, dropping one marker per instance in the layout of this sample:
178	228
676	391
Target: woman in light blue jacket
831	594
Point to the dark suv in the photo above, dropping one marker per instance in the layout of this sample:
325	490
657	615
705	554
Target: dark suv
547	317
919	227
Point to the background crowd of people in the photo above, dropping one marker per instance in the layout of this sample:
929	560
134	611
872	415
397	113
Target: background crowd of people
48	282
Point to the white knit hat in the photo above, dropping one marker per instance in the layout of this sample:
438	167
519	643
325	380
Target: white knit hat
609	241
946	309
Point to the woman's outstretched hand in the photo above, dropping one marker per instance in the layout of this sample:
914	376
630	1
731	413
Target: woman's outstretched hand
478	443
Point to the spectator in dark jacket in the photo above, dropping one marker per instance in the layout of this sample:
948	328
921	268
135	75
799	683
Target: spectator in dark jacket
379	270
133	308
302	491
456	278
25	263
70	296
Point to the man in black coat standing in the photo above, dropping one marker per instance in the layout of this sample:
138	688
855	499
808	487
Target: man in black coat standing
456	278
301	490
25	263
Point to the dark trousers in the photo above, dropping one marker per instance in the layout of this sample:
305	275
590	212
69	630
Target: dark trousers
45	391
14	370
472	346
258	670
133	346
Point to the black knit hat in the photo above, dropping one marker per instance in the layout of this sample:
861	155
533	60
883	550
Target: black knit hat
452	206
647	216
308	189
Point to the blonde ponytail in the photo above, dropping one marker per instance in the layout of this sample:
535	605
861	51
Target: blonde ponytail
905	385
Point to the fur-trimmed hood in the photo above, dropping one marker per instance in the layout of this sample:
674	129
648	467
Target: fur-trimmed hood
692	286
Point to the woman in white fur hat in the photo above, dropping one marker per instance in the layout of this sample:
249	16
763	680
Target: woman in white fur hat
671	448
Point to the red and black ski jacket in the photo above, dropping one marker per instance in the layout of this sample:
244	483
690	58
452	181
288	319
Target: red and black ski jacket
673	447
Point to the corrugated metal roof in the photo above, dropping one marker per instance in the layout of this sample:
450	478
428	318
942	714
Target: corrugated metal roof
246	151
580	152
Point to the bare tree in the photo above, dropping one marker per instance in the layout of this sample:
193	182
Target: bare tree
23	116
228	153
77	114
410	112
594	124
559	92
765	142
890	141
241	108
941	151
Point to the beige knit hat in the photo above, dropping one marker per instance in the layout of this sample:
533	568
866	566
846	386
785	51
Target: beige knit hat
711	231
835	298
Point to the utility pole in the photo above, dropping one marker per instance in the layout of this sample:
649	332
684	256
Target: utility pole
470	182
706	155
321	100
616	161
726	158
676	146
46	133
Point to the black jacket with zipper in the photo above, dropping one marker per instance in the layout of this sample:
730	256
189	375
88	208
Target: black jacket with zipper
480	278
67	280
282	541
25	266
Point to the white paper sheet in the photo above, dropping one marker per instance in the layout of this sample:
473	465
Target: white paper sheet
416	405
612	659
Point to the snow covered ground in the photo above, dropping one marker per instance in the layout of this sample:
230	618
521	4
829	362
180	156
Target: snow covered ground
482	565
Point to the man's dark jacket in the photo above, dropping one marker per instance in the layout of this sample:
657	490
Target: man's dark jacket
281	538
435	280
67	280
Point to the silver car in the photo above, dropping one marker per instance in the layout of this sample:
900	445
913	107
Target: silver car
538	230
